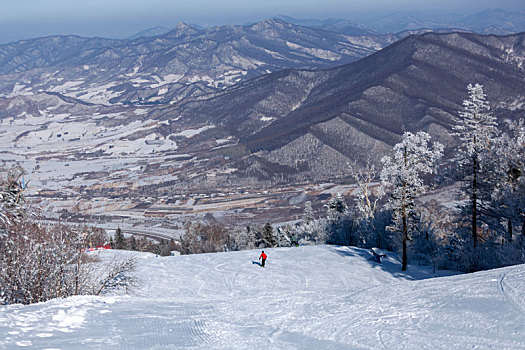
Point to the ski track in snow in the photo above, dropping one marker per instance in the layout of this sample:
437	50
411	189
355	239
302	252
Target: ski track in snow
317	297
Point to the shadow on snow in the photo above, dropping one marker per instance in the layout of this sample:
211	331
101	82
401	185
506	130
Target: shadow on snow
390	264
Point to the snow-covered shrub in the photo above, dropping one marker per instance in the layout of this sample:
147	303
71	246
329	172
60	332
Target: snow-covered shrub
40	262
115	276
372	231
11	196
458	250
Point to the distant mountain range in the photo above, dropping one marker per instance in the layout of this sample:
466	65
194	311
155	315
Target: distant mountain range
168	68
194	111
490	21
331	24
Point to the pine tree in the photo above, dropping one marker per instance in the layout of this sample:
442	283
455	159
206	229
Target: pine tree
476	129
336	208
508	195
133	243
308	215
338	222
268	236
401	178
120	241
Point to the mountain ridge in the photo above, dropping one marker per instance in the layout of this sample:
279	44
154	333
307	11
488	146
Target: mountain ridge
329	96
168	68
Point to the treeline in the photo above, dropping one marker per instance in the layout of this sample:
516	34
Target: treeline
141	244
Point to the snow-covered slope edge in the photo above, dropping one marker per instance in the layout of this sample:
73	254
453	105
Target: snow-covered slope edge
307	297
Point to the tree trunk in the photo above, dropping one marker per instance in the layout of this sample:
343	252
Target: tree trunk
474	201
405	237
509	227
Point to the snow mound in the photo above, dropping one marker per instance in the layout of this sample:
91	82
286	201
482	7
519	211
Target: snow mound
315	297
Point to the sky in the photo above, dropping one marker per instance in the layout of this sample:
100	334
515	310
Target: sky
122	18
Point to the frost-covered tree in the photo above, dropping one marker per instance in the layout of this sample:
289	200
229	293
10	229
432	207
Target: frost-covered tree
310	229
315	232
41	262
336	208
308	215
365	200
269	236
11	195
367	229
428	239
244	239
265	237
476	129
338	221
401	178
508	195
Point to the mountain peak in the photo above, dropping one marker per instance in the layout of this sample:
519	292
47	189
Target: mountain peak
182	29
183	26
268	23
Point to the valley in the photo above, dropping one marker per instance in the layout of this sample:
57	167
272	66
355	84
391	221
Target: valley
250	151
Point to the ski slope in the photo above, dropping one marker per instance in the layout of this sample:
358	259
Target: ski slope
312	297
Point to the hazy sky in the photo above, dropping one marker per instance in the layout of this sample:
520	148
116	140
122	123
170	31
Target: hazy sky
21	19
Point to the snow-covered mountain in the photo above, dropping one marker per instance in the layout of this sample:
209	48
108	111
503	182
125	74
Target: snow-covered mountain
343	26
168	68
321	297
489	21
309	124
293	131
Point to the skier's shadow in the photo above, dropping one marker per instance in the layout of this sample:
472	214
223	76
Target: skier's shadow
256	263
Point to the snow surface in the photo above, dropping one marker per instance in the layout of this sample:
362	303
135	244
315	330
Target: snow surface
314	297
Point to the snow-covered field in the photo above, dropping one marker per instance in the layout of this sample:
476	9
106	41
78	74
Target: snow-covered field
315	297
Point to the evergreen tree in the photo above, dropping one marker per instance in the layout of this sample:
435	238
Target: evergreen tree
476	129
336	208
308	215
401	177
120	241
268	237
509	189
338	223
133	243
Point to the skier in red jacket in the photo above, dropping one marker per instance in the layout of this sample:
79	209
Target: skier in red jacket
263	256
